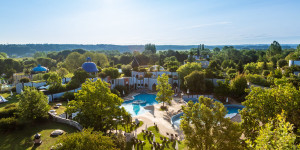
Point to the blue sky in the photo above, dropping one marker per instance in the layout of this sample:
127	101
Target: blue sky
212	22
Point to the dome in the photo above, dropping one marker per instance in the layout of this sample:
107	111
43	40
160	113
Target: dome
39	68
89	66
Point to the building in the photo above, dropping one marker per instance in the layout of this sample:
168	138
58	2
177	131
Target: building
294	62
39	69
89	66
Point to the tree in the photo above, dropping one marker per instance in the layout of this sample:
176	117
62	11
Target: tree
223	89
240	67
72	62
165	91
274	49
276	134
97	105
87	139
262	104
214	65
171	63
187	69
195	82
281	63
238	86
33	104
216	50
205	126
126	69
150	49
62	72
112	72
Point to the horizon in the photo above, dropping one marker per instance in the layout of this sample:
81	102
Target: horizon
133	22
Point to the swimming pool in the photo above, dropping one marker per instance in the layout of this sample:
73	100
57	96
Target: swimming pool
232	111
138	109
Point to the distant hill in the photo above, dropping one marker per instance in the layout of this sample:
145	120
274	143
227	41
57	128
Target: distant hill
22	49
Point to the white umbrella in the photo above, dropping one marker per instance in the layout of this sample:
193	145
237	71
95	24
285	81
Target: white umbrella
153	138
133	147
11	93
146	128
176	146
227	100
123	92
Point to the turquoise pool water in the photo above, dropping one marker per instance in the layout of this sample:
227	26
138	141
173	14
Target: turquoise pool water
232	110
138	109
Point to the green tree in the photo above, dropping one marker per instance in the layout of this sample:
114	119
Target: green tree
195	82
97	105
126	69
238	86
150	49
33	104
72	62
263	104
187	69
276	134
281	63
223	89
87	139
112	72
240	67
206	128
62	72
274	49
165	91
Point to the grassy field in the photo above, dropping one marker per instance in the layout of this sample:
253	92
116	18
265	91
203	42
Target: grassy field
23	139
129	129
61	109
148	146
11	99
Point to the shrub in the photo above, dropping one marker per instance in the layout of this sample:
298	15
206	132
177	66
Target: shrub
8	112
115	91
257	79
8	124
67	96
266	73
46	76
121	88
14	89
209	86
102	75
24	80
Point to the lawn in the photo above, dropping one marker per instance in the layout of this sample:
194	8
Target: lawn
11	99
168	146
129	128
23	139
61	109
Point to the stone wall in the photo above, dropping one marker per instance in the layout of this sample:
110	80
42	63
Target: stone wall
65	121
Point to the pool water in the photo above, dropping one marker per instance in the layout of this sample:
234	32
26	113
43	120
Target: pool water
232	110
138	109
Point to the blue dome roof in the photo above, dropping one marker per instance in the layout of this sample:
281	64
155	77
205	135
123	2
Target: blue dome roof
90	67
39	68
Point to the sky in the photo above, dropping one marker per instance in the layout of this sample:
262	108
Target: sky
174	22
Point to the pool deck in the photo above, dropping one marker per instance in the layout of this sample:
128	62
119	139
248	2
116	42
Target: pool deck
161	118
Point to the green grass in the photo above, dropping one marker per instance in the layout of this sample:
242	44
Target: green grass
148	146
61	109
23	139
129	128
11	99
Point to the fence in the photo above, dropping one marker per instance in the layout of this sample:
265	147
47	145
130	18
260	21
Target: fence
66	121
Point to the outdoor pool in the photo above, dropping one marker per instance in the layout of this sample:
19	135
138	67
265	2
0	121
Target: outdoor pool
232	111
138	109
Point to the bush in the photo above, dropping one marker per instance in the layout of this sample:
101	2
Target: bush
7	124
257	79
102	75
121	88
46	76
266	73
14	89
67	96
24	80
8	112
73	84
209	86
116	92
